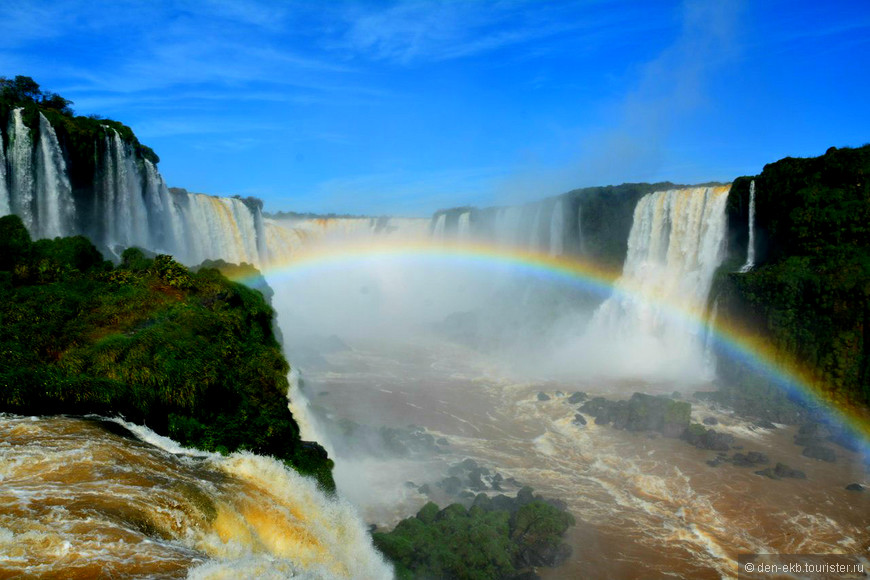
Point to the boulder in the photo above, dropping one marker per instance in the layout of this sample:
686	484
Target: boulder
710	421
708	439
820	452
577	397
543	396
579	420
855	487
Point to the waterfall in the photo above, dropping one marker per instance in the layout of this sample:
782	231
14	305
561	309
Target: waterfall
463	227
5	207
581	245
648	327
508	224
21	169
557	230
440	224
54	203
131	204
750	247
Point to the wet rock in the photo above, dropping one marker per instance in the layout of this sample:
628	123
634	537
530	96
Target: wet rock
424	489
410	485
855	487
710	421
559	394
543	397
469	464
641	413
714	462
782	471
451	485
820	452
373	528
709	439
764	424
577	397
442	441
513	482
579	420
751	459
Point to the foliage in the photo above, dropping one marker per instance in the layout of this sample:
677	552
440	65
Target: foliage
810	293
493	539
191	355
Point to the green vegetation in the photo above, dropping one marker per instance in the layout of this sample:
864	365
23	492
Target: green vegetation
82	138
496	538
810	293
189	354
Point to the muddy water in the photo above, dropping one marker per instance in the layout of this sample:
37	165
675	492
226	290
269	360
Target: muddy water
647	507
85	498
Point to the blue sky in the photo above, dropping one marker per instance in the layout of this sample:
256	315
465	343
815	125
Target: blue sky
407	107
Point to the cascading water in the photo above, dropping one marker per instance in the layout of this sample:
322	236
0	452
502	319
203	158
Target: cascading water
463	227
674	248
557	229
80	501
54	202
131	207
750	247
20	159
438	228
5	207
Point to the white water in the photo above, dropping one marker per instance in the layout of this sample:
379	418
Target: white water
54	202
557	229
750	247
5	207
132	205
79	502
20	159
463	227
648	328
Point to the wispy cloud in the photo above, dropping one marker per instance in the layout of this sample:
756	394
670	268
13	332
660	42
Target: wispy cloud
409	32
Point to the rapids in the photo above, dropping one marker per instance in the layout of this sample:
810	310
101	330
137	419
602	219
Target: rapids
90	497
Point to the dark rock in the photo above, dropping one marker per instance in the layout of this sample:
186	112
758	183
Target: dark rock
855	487
410	484
451	485
708	439
424	489
373	528
525	495
526	575
641	413
710	421
782	471
442	441
559	394
579	419
466	494
469	464
757	457
482	501
544	554
820	452
474	481
577	397
764	424
714	462
514	482
543	397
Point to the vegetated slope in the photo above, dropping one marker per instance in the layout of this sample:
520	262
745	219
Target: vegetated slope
810	290
191	355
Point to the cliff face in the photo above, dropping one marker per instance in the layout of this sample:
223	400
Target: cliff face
809	291
65	175
191	355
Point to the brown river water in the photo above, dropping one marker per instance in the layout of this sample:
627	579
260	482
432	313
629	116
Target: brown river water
84	498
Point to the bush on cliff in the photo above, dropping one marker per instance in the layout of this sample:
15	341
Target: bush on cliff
190	355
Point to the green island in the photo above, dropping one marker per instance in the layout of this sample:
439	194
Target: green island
497	537
191	355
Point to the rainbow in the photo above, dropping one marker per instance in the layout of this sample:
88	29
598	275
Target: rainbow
738	343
